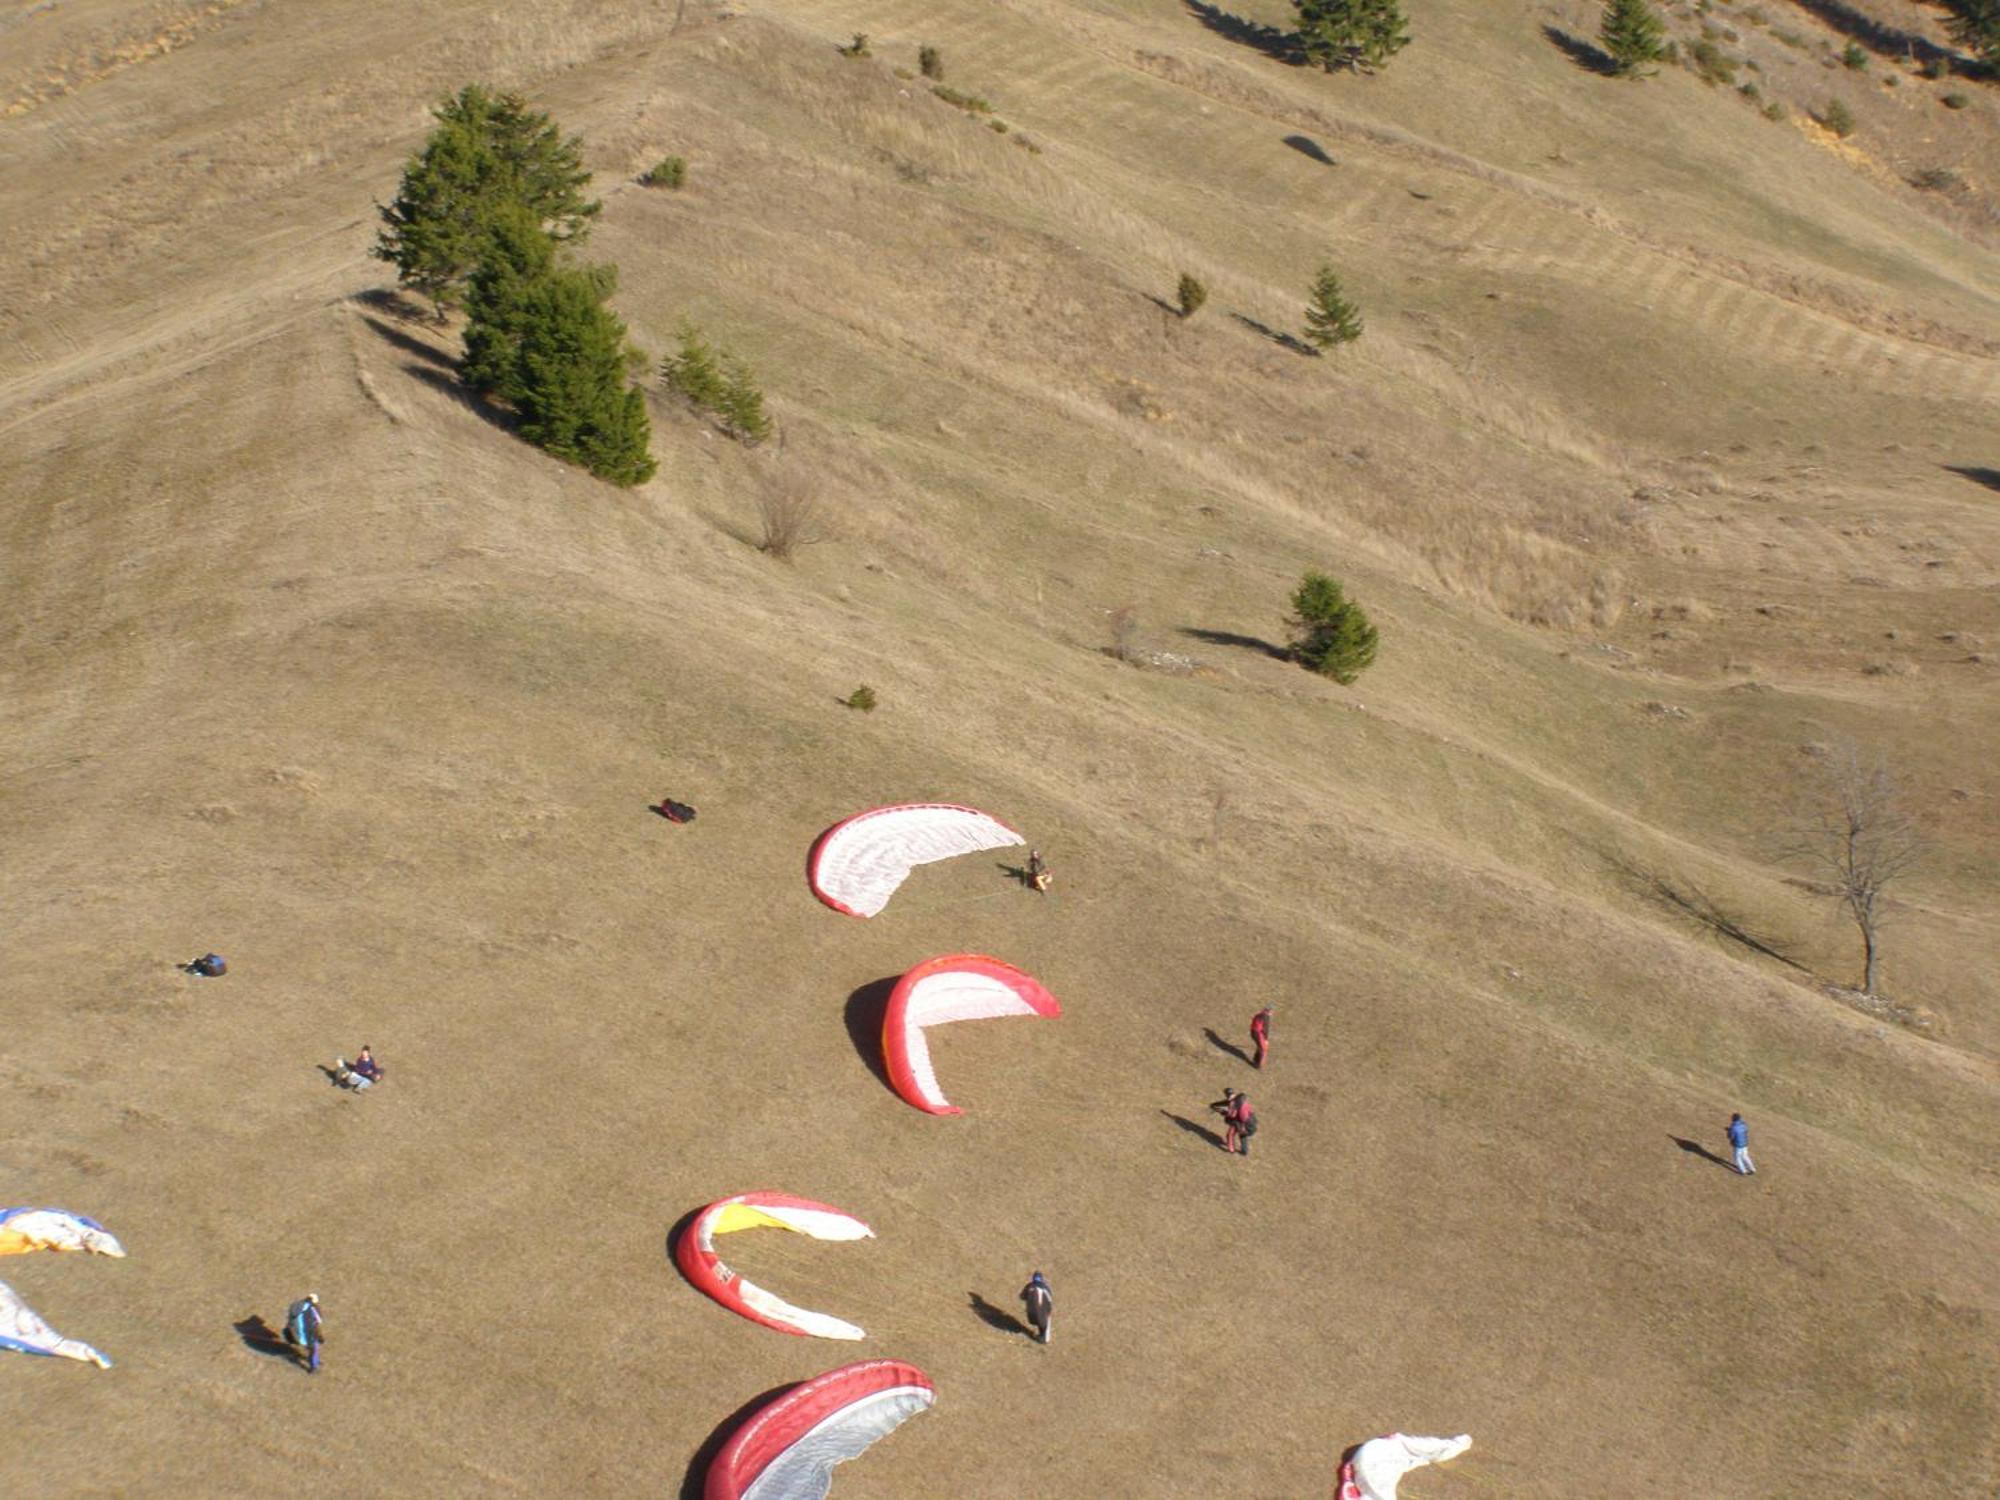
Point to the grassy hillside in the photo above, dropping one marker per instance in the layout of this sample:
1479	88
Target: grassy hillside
1669	458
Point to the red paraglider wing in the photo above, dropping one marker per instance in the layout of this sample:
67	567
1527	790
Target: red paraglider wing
695	1254
958	987
856	865
786	1449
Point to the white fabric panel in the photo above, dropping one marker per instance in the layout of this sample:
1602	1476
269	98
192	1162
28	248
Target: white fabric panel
952	997
1381	1463
771	1305
862	864
21	1327
804	1471
55	1229
820	1225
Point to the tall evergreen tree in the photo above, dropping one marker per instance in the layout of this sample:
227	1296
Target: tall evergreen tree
1976	24
518	257
570	380
1633	35
488	150
1330	318
1358	34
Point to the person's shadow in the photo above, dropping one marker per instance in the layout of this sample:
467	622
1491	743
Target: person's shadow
1695	1148
997	1317
1194	1129
1230	1047
260	1337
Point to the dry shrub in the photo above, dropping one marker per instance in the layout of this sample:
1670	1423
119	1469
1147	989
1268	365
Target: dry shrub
791	513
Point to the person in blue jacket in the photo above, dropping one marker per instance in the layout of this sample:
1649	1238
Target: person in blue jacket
304	1330
1739	1142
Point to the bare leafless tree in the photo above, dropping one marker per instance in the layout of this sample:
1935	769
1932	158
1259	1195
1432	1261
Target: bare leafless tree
791	513
1856	832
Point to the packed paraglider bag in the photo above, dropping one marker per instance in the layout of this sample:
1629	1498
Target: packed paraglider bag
675	812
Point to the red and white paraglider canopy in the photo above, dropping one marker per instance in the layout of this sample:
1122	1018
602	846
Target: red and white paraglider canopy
787	1448
695	1254
856	865
957	987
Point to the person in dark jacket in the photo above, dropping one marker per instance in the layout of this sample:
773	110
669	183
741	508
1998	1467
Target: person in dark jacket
1040	1303
208	966
1739	1143
1239	1121
1260	1036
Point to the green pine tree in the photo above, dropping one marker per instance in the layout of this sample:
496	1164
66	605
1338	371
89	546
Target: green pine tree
1330	318
742	405
1357	34
517	259
1975	24
568	378
695	372
1633	35
488	150
1331	634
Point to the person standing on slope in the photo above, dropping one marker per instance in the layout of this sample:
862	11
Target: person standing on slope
1260	1035
1040	1303
304	1330
1037	872
1239	1121
1739	1143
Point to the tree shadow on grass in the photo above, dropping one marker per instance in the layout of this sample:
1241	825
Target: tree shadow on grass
1194	1129
1231	638
1274	42
439	380
694	1484
1216	1041
1881	39
1695	1148
1686	899
865	1010
1589	57
409	345
1305	145
1988	477
1289	341
997	1317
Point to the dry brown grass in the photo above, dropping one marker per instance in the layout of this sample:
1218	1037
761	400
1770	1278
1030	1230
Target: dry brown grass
305	661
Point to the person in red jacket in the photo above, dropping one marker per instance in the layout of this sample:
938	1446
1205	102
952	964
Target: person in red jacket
1239	1121
1260	1033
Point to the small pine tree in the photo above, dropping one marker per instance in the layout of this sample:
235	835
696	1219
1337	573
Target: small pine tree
1357	34
1330	318
741	406
695	372
1838	118
1633	35
488	150
862	698
569	380
1975	24
930	62
667	172
1332	635
1192	294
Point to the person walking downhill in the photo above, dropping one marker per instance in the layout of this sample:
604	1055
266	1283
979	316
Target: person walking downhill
1739	1141
305	1331
1260	1034
1041	1306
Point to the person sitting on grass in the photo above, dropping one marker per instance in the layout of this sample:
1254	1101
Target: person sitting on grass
363	1073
